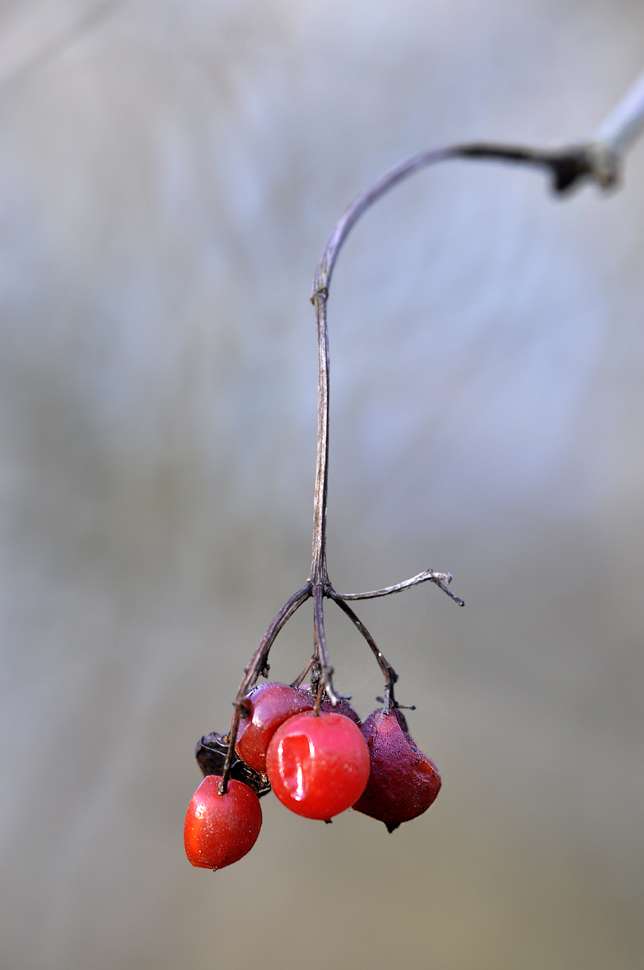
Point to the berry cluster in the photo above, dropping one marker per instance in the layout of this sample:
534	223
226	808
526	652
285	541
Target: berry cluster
318	760
308	745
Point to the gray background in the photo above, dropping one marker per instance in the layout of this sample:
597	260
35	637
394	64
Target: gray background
169	172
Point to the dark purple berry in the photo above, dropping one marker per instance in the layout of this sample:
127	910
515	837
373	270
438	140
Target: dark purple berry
403	783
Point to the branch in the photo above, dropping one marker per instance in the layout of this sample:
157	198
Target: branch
442	580
597	160
388	671
617	133
257	665
326	670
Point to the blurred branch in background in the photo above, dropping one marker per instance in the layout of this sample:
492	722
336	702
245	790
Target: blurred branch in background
624	124
47	32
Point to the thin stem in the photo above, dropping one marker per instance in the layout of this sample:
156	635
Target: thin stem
566	167
441	580
388	671
257	665
297	683
258	662
320	644
318	567
364	201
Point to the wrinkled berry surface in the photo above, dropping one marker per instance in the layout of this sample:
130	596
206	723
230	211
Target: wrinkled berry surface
403	783
342	707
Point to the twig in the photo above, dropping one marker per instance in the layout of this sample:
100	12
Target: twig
258	664
442	580
388	671
618	131
320	644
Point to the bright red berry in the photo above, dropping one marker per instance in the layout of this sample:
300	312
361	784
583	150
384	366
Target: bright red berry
318	764
268	706
220	829
403	783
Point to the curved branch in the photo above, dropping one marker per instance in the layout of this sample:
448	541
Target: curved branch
388	671
567	167
442	580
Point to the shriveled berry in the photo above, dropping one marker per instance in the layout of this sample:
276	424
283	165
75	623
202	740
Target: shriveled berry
211	753
342	707
318	764
220	829
403	783
268	706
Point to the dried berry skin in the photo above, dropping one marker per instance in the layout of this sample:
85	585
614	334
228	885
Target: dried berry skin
318	765
342	707
268	706
211	754
403	783
220	829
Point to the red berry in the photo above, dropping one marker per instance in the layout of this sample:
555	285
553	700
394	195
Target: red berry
220	829
403	783
268	706
318	764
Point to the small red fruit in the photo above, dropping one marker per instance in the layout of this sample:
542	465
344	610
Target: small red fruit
318	764
220	829
403	783
268	706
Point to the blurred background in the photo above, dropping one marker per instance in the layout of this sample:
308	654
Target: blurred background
169	174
